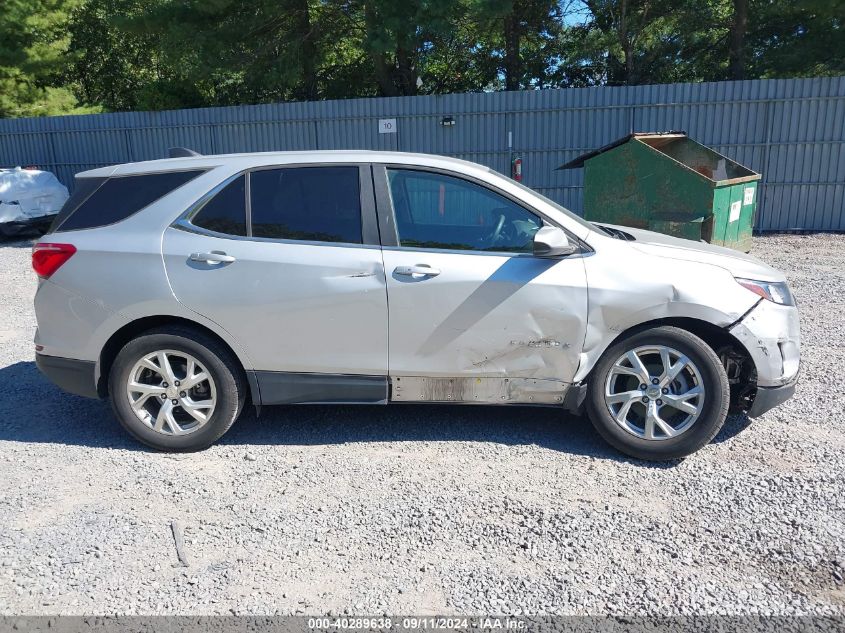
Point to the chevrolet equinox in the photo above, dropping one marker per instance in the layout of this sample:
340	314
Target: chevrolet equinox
183	289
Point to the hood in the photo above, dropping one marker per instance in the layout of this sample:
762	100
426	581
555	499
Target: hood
737	263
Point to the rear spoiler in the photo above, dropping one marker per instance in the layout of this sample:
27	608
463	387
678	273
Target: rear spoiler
181	152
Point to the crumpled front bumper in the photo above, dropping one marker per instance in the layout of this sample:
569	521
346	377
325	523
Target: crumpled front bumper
768	398
771	334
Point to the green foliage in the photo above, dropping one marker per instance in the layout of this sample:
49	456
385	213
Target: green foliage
63	56
797	39
519	41
661	41
628	42
33	50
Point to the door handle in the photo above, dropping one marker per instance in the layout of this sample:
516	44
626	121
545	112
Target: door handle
419	269
214	257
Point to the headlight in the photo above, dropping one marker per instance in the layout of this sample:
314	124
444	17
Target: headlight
776	292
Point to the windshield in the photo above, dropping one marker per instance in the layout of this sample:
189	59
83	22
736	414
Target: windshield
560	208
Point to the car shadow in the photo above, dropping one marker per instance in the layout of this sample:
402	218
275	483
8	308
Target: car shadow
735	424
33	410
18	241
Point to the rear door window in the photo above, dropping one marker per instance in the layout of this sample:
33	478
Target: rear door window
225	212
318	204
122	196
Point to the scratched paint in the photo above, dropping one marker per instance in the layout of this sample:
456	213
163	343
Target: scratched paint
478	390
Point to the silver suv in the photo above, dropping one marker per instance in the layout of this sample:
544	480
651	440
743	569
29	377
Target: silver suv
182	289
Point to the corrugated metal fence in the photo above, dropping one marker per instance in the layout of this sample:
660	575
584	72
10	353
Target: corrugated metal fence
792	131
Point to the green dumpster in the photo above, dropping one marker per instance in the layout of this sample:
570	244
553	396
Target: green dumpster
669	183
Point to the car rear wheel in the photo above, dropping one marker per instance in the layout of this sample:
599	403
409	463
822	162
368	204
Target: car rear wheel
661	393
176	389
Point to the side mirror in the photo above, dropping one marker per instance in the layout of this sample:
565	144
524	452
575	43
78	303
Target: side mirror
550	241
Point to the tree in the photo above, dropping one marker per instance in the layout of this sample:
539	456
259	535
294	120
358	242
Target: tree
625	42
161	54
407	40
519	40
169	53
112	66
795	39
634	36
629	42
33	58
233	51
736	51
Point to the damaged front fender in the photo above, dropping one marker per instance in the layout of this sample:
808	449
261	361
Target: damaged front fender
643	288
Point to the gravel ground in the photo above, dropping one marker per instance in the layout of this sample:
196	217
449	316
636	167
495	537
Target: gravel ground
426	509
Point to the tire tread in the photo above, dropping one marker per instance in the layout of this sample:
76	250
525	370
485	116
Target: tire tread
214	348
596	412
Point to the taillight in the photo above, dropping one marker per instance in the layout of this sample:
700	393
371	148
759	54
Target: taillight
48	258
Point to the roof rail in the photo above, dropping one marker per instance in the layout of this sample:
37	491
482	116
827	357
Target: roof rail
181	152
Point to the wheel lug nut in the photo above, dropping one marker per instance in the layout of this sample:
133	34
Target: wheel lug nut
176	383
182	394
660	403
654	381
174	401
643	387
665	390
165	385
645	400
164	396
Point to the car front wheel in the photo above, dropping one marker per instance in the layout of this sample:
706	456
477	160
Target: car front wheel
176	389
661	393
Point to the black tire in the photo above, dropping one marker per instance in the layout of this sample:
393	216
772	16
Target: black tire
706	426
219	362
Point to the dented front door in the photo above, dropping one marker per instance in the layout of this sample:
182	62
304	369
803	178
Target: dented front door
480	315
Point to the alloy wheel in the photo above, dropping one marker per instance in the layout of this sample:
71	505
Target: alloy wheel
654	392
171	392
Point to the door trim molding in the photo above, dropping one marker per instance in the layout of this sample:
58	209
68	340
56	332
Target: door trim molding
278	387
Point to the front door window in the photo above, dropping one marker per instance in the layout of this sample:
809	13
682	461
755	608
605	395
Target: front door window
444	212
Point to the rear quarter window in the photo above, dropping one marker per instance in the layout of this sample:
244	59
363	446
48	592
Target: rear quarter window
117	198
226	211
